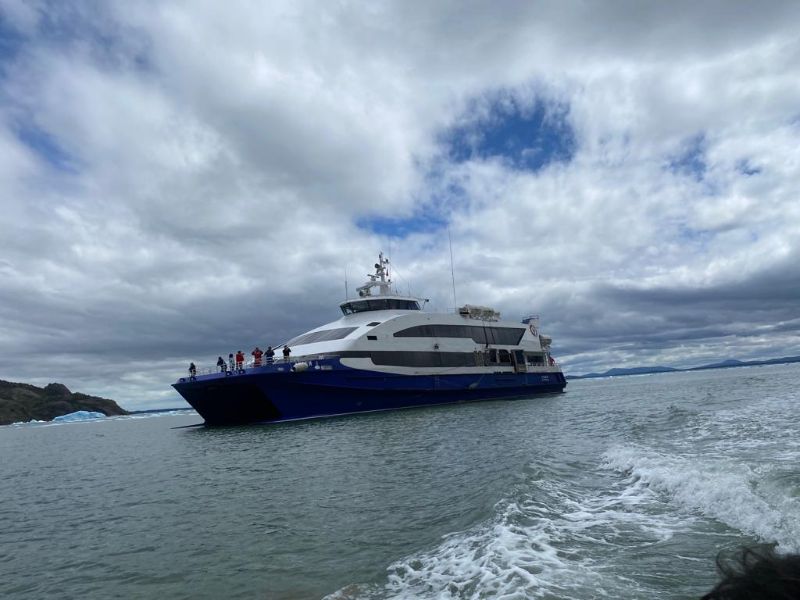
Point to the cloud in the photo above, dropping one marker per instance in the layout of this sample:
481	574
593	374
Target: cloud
181	180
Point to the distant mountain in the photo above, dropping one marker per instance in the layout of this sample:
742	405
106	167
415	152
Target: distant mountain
622	372
725	364
720	365
20	402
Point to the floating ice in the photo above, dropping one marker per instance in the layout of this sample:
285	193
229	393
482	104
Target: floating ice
81	415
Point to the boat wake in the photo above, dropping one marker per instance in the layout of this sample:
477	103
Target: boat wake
546	541
758	501
554	538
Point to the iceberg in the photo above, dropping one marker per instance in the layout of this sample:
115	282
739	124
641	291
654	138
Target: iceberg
81	415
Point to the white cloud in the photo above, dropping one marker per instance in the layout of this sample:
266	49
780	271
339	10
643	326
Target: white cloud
194	176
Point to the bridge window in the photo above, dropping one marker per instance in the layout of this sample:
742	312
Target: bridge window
358	306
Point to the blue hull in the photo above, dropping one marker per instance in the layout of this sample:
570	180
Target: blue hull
276	393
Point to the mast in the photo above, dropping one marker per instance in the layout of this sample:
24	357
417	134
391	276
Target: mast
452	270
380	279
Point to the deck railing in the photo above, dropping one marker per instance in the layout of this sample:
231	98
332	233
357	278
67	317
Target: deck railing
249	364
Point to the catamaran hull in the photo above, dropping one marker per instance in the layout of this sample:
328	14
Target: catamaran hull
269	394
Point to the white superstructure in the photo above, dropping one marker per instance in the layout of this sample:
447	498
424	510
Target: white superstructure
386	332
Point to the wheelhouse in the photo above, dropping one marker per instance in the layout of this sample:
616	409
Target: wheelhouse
377	303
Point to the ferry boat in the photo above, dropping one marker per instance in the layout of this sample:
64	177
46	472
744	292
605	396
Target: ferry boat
384	353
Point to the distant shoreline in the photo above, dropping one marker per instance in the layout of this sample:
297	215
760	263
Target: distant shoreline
725	364
23	402
158	410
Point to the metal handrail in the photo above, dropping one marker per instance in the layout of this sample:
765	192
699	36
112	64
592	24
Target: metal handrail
248	364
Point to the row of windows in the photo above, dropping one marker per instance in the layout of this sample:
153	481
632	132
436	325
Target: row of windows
443	359
326	335
507	336
379	304
419	359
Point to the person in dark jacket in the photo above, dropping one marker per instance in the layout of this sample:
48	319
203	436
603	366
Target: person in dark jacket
270	354
221	364
286	352
192	369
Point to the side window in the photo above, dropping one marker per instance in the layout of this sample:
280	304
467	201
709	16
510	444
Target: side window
505	357
535	359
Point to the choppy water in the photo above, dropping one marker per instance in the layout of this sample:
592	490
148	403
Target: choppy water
625	488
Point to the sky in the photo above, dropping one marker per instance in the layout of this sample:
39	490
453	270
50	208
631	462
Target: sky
180	180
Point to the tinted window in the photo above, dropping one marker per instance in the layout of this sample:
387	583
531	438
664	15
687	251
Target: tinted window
424	359
535	359
325	335
507	336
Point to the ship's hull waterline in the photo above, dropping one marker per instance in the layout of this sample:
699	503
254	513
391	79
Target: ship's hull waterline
276	392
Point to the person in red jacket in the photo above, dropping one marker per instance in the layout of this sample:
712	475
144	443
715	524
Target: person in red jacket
239	360
257	354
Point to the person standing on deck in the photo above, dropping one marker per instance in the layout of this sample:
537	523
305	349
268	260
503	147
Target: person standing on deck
230	362
221	364
239	360
270	353
257	354
286	352
192	369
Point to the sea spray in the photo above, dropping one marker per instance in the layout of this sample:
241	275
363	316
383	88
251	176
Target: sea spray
723	489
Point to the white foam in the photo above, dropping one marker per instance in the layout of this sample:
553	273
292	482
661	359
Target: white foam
161	413
31	422
549	539
545	544
718	488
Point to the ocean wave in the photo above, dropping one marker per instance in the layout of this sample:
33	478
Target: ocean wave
160	413
739	495
542	544
552	538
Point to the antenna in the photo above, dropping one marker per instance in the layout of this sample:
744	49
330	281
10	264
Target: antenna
345	283
452	270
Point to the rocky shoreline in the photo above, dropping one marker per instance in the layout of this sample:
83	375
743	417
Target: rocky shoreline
21	402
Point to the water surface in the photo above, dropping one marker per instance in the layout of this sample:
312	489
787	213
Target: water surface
625	487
